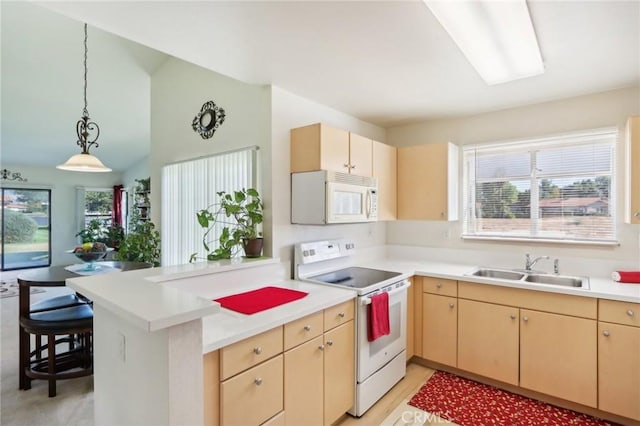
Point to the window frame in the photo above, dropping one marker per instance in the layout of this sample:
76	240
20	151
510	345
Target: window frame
608	136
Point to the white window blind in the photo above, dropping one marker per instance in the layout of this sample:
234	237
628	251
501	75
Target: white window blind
558	189
188	187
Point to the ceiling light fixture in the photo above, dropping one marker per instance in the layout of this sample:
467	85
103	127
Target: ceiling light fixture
497	37
88	132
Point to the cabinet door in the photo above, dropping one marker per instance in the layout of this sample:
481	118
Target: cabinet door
317	147
303	384
385	170
334	149
619	369
558	356
439	328
360	155
632	213
488	340
339	372
427	182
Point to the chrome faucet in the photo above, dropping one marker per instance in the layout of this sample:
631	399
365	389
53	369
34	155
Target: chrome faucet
528	265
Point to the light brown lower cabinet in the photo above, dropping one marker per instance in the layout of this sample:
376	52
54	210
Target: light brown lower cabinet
253	397
488	340
319	378
439	324
619	369
339	371
558	356
303	378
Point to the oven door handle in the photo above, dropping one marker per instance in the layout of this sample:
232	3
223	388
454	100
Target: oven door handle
367	300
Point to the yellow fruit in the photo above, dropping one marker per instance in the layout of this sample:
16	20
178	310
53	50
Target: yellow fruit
87	246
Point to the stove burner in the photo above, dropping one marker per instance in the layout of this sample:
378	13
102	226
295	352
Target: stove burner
355	277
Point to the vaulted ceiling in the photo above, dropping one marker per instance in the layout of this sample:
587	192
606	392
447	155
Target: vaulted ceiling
386	62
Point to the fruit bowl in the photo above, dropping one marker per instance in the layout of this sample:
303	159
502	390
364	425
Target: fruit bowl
90	253
90	256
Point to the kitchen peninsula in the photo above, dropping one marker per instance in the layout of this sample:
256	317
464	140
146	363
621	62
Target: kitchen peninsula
152	327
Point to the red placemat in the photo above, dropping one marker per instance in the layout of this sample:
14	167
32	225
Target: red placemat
258	300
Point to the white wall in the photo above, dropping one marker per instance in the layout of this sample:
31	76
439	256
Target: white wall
178	91
585	112
139	170
291	111
63	201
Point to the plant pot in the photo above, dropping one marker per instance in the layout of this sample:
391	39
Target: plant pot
253	248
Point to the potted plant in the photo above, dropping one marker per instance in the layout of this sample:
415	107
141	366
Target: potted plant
140	244
97	232
241	214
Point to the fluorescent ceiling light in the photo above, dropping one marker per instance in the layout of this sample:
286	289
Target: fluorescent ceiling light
497	37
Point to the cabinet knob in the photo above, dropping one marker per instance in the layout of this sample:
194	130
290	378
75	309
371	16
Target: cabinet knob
451	305
630	313
637	214
330	342
353	167
525	319
513	317
341	314
307	327
346	166
321	347
606	333
439	285
257	350
258	381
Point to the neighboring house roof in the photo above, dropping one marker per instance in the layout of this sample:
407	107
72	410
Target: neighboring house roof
571	202
7	198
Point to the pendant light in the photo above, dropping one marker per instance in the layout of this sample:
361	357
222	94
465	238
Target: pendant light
88	132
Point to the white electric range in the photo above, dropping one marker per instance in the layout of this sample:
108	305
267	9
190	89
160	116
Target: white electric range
379	364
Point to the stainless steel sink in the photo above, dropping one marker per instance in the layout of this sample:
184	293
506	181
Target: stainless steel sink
532	277
558	280
499	274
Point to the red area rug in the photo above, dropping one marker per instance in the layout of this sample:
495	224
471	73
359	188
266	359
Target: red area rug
470	403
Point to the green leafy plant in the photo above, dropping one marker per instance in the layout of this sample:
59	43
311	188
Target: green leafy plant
241	214
98	231
141	244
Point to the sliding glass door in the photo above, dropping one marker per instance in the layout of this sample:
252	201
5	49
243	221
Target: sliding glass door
26	228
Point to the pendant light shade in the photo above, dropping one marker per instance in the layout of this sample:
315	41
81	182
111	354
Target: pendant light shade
88	133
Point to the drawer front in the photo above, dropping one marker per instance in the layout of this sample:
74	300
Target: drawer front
564	304
249	352
625	313
302	330
440	286
338	315
253	397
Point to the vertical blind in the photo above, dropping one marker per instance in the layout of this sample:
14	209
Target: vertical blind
190	186
559	188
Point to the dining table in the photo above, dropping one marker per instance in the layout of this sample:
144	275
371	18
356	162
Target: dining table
56	276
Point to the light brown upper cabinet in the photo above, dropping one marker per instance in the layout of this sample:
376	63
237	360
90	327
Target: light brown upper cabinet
632	212
428	182
320	147
385	169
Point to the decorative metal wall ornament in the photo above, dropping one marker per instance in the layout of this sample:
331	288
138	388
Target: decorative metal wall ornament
85	162
208	119
9	175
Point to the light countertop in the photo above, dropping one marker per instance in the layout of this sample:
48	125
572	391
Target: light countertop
227	327
598	287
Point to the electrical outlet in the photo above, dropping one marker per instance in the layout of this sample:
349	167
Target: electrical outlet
122	348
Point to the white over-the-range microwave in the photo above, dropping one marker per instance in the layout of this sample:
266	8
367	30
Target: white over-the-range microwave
322	197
